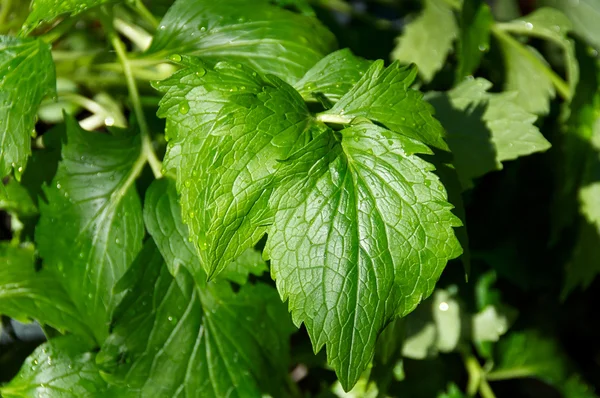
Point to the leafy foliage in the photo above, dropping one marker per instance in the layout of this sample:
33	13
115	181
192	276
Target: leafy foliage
199	196
26	76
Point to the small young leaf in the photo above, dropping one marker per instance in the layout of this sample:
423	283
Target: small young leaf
26	76
348	234
202	341
48	10
63	367
427	40
27	294
93	200
494	124
333	76
268	38
384	96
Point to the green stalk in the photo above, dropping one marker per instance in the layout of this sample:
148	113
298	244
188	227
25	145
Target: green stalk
145	13
6	6
477	377
147	148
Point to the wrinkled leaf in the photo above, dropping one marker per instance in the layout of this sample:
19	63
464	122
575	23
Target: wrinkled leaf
384	96
372	210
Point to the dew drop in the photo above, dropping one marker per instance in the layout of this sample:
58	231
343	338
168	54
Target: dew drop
184	108
109	121
175	58
163	27
529	25
201	72
187	183
191	214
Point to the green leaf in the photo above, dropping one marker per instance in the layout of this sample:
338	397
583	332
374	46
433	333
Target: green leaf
583	267
248	123
427	40
249	262
162	215
26	76
534	89
333	76
63	367
94	201
204	341
384	96
27	294
526	70
453	392
434	327
529	354
584	14
17	200
474	39
368	209
485	129
48	10
266	37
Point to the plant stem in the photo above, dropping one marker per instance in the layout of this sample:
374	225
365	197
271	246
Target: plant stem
509	374
477	377
147	148
6	6
334	119
145	13
561	86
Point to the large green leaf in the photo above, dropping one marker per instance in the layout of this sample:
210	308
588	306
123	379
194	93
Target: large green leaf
427	40
200	341
93	201
248	153
485	129
268	38
26	76
27	294
162	215
48	10
384	96
224	196
361	234
526	68
64	367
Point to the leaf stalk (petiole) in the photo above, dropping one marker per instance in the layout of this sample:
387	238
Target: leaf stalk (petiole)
147	149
